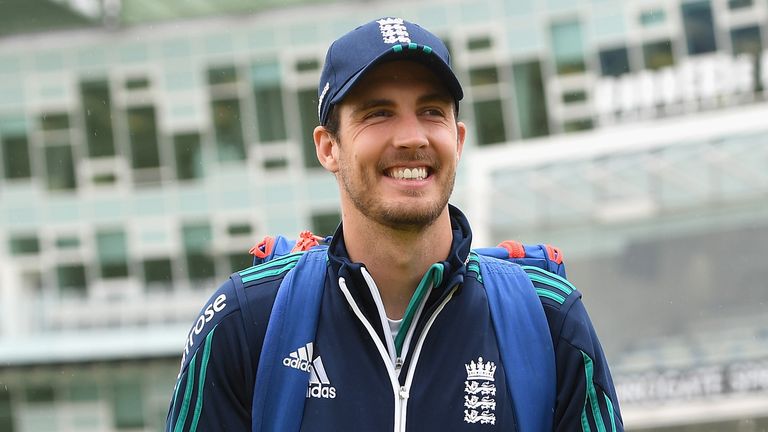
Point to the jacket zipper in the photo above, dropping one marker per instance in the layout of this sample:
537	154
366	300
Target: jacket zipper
385	357
391	361
415	360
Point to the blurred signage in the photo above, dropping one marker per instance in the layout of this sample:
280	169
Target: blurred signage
699	82
693	383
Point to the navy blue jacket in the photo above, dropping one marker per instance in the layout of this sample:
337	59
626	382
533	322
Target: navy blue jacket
359	382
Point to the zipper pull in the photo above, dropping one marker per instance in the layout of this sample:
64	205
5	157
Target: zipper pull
403	393
398	365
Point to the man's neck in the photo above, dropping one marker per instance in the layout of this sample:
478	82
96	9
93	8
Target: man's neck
397	259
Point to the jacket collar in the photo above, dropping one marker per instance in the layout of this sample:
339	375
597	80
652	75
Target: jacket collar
453	266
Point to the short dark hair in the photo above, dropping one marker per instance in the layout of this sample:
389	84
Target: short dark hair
333	123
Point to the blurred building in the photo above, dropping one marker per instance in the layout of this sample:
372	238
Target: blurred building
145	146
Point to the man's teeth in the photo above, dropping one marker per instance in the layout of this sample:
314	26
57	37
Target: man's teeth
409	173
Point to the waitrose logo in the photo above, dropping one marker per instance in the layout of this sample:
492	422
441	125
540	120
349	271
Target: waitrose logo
217	305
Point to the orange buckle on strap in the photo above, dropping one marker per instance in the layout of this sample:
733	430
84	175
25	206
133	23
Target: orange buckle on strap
264	248
306	241
554	254
515	248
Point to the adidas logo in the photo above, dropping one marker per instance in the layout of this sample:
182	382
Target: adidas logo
319	385
300	359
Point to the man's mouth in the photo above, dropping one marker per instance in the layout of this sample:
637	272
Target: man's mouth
400	173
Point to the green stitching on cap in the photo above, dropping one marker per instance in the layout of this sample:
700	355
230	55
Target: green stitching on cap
427	49
412	46
397	48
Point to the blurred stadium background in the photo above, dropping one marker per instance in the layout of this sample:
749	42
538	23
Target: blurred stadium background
145	146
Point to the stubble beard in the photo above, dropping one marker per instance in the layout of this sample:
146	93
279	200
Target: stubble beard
401	217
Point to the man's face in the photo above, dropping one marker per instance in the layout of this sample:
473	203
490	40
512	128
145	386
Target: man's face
398	146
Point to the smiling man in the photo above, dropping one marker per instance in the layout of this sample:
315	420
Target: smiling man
404	142
405	337
395	157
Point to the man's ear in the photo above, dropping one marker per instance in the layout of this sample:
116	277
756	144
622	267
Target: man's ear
461	134
325	145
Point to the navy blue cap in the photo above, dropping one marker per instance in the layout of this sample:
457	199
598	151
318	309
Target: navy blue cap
350	56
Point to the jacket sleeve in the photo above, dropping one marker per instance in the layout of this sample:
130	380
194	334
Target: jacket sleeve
212	390
586	397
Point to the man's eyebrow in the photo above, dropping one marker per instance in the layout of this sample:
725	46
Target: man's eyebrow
372	103
436	97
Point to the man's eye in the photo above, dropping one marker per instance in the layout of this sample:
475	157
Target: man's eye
379	113
434	112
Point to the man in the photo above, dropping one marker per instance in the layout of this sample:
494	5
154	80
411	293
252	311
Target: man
404	339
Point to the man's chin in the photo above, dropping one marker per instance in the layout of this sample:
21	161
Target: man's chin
406	218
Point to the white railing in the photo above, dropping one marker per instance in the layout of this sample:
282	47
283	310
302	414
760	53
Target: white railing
143	311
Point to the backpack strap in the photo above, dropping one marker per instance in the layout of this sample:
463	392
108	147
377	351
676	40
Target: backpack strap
525	344
280	390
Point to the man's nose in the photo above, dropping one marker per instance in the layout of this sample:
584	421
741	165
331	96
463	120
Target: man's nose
410	132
